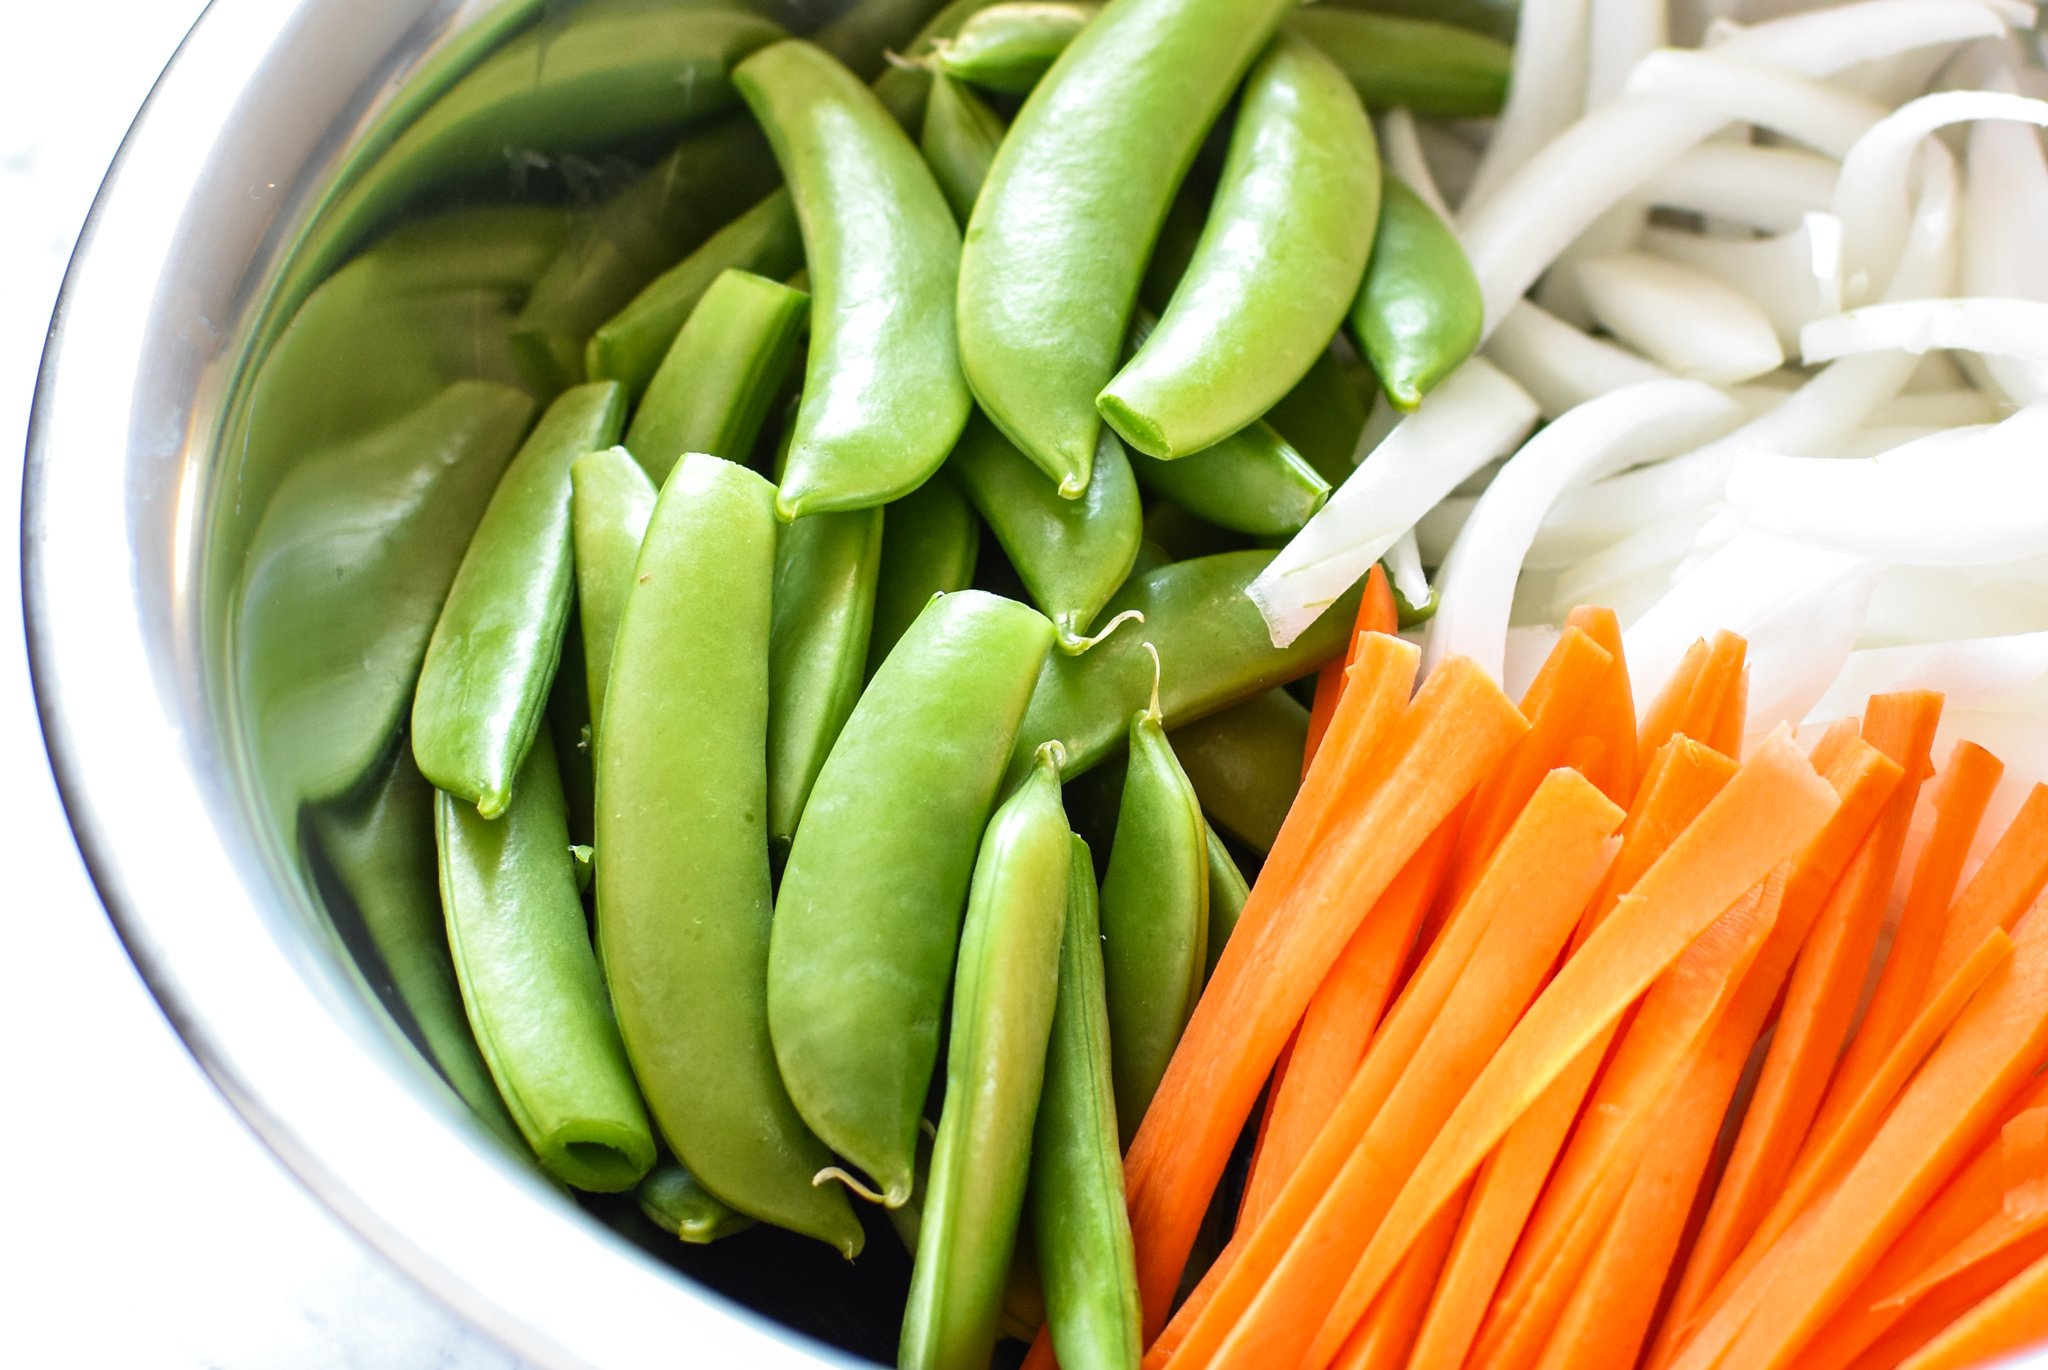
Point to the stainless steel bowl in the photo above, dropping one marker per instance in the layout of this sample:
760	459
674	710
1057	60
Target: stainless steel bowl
135	523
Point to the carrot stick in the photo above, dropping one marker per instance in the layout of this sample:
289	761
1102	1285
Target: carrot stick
1343	843
2010	880
1446	1026
1719	695
1999	1233
2023	1161
1376	614
1664	719
1724	734
1611	712
1821	1000
1340	1021
1961	792
2010	1319
1980	1065
1768	812
1938	1310
1385	1336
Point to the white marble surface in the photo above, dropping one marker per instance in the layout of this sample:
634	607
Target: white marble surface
141	1225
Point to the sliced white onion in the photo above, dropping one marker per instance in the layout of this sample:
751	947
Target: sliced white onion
2005	204
1771	188
1972	672
1561	365
1793	277
1453	162
1681	317
1933	603
1997	327
1404	571
1620	33
1546	92
1821	116
1649	554
1401	154
1475	415
1938	409
1961	497
1477	579
1795	651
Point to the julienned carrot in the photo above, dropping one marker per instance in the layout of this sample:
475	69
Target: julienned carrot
1611	712
1714	709
1446	1026
2023	1161
2011	1318
1936	1311
1980	1065
1767	813
1665	716
1351	839
2010	880
1999	1233
1962	789
1593	1176
1828	1152
1682	778
1385	1337
1821	1000
1340	1021
1376	614
1724	734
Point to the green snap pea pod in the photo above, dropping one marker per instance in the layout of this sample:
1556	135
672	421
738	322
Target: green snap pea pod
1419	314
825	571
1250	482
676	1203
1494	18
1003	1004
1078	1220
866	32
1280	259
568	723
683	896
1199	618
613	501
492	658
883	397
346	576
1007	48
1435	69
381	849
714	388
1060	237
1072	554
530	983
1023	1298
500	247
904	87
1155	916
1245	764
960	138
1323	415
1183	536
868	917
1151	556
1227	892
930	541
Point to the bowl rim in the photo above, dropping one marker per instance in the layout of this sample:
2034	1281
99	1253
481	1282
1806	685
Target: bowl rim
120	435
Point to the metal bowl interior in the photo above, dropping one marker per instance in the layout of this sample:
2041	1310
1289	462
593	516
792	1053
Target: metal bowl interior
161	439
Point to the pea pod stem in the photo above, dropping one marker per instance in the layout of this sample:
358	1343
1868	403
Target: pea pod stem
530	983
484	683
683	892
1003	1008
884	397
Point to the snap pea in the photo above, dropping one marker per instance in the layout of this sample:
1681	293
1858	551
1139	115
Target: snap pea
959	141
868	917
530	983
1076	1193
568	723
1227	893
1250	482
676	1203
1245	764
629	346
500	247
930	541
492	657
1072	554
883	397
683	898
1183	536
903	88
1199	618
346	576
381	848
825	571
1419	314
612	502
1155	916
1323	415
712	391
1008	47
1494	18
863	34
1003	1005
1059	239
1436	70
1023	1298
1277	265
